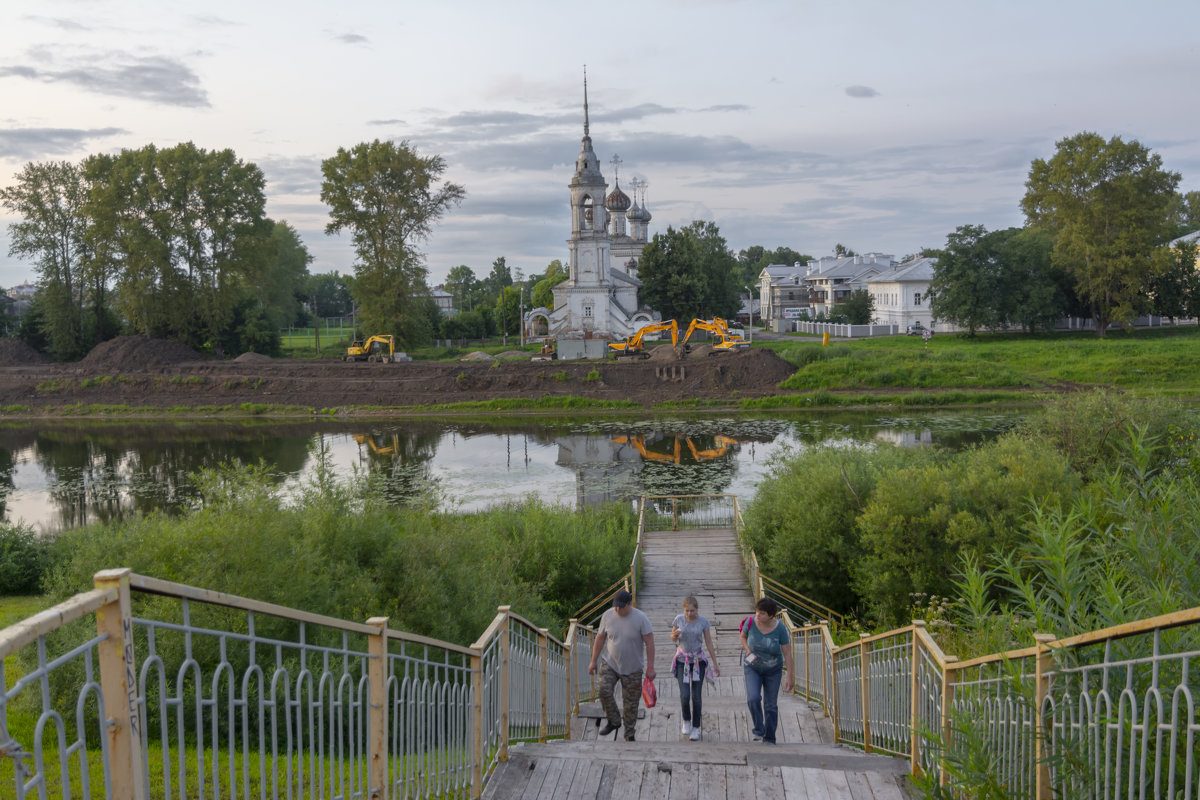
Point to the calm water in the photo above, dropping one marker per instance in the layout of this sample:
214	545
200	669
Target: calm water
59	475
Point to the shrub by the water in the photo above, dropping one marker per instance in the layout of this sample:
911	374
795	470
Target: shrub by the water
338	549
23	559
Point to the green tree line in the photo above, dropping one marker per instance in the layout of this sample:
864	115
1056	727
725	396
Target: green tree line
170	243
1099	217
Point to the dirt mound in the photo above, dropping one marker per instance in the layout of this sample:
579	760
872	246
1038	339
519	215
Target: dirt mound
134	352
253	357
664	352
477	355
700	351
14	353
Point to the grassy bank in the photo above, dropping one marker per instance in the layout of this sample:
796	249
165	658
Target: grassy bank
1155	359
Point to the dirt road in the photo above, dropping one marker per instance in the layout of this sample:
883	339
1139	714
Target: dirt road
146	373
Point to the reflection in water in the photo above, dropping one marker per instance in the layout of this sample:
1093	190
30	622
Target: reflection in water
58	475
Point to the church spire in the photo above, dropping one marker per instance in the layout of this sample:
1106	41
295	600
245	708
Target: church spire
585	108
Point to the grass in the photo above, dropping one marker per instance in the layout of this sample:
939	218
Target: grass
1159	359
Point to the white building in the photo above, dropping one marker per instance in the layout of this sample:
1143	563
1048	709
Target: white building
832	279
599	300
782	292
901	293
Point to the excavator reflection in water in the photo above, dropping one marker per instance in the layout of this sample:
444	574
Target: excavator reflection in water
638	442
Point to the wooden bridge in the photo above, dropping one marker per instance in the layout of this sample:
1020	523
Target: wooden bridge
112	689
705	563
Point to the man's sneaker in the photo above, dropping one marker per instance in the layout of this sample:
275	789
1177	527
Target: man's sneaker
608	728
695	737
686	729
756	736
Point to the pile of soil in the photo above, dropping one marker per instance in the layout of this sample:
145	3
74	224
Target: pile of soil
131	353
336	384
477	355
14	352
244	357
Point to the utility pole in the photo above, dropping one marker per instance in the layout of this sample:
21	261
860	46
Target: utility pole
522	288
750	305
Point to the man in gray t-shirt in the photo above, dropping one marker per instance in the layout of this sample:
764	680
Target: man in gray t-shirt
624	647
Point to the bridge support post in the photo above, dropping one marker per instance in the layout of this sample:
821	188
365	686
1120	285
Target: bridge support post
947	708
1043	789
544	650
914	690
118	684
377	708
572	676
864	655
476	743
505	676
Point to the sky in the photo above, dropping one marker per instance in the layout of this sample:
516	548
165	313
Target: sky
877	124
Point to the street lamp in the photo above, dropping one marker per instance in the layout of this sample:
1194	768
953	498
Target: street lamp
750	305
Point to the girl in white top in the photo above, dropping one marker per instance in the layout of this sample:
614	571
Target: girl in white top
690	665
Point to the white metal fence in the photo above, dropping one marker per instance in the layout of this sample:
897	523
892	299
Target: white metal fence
145	688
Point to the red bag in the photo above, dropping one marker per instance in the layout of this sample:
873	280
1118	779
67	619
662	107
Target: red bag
649	693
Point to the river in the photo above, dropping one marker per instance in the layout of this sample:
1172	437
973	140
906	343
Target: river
55	475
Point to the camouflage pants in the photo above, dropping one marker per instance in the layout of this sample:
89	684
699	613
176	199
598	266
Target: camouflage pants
631	697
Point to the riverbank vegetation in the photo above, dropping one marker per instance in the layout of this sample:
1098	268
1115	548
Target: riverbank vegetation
337	548
1161	359
1084	517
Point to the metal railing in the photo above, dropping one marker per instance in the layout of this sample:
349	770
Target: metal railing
673	512
147	688
1113	713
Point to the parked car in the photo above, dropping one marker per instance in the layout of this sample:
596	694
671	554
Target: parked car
917	329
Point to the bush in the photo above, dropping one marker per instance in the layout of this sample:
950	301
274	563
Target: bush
923	519
338	549
802	520
24	558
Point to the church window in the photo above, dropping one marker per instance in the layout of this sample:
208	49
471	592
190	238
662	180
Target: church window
917	299
587	311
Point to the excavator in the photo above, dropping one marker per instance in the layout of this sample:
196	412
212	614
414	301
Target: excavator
723	340
631	346
638	441
381	348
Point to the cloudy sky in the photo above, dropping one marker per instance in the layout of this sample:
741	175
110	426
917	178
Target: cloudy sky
878	124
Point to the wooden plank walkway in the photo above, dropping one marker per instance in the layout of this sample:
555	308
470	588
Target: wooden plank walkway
726	764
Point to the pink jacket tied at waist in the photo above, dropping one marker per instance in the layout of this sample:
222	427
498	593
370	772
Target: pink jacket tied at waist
691	665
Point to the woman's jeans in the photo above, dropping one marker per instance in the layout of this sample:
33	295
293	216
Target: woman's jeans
691	694
762	696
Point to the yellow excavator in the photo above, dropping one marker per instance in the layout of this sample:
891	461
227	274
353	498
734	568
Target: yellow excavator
631	346
381	348
723	340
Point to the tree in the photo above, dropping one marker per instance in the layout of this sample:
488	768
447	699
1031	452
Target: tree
859	307
689	273
967	279
508	310
184	232
1108	204
840	250
542	294
752	260
386	196
499	278
329	294
461	283
1175	285
49	198
284	277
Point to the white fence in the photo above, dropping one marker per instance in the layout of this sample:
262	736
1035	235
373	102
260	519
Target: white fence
146	688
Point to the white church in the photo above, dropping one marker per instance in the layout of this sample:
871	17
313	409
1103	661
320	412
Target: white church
598	302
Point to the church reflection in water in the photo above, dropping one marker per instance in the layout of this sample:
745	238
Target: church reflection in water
624	467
